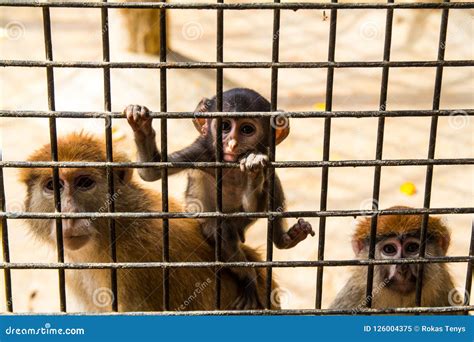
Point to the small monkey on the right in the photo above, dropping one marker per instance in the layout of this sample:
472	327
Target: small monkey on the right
398	236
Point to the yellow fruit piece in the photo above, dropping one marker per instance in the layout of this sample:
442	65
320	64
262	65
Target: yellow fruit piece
408	188
319	106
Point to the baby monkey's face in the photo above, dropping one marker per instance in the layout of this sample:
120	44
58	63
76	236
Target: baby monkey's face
240	136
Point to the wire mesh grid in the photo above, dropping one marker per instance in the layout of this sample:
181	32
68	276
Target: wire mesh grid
325	164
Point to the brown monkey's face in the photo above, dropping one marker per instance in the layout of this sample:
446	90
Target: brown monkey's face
81	191
240	136
401	277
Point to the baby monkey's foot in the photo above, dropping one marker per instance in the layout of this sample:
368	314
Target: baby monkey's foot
297	233
139	119
253	162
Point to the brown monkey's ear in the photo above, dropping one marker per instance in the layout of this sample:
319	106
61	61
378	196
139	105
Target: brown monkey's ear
201	123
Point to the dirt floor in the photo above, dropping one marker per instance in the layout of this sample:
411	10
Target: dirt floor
248	37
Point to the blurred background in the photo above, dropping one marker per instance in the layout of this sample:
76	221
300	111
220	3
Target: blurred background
76	36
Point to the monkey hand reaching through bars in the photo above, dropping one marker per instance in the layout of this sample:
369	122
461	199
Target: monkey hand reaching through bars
244	140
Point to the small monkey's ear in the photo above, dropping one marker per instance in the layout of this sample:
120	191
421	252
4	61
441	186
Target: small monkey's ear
281	123
357	246
201	123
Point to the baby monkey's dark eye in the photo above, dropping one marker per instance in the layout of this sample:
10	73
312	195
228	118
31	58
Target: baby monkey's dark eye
247	129
226	126
389	249
48	186
412	247
84	183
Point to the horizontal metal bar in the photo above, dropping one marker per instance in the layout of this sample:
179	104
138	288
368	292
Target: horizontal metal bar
235	6
286	312
235	65
228	165
191	115
211	264
269	214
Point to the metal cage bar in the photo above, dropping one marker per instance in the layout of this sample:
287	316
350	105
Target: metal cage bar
431	151
218	171
109	155
164	158
236	6
378	152
5	245
326	150
54	154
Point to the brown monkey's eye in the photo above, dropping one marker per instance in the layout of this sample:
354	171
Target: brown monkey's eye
389	249
48	186
84	183
247	129
226	126
412	247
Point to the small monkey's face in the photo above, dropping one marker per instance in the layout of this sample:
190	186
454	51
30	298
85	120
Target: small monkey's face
81	191
401	277
240	136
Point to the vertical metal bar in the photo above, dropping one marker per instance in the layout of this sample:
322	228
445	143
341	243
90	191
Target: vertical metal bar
5	245
379	150
326	150
271	151
468	287
164	154
219	81
109	154
431	151
54	155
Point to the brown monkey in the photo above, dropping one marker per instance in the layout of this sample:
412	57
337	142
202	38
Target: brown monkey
398	236
244	140
138	240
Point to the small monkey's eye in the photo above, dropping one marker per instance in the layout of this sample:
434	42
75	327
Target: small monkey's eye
412	247
389	249
84	183
247	129
226	126
48	186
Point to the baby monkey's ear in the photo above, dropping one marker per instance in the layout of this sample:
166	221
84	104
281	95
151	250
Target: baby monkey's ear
202	124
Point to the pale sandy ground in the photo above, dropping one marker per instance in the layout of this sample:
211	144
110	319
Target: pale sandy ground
248	37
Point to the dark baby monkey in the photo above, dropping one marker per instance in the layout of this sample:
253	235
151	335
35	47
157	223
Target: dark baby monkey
244	140
398	236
